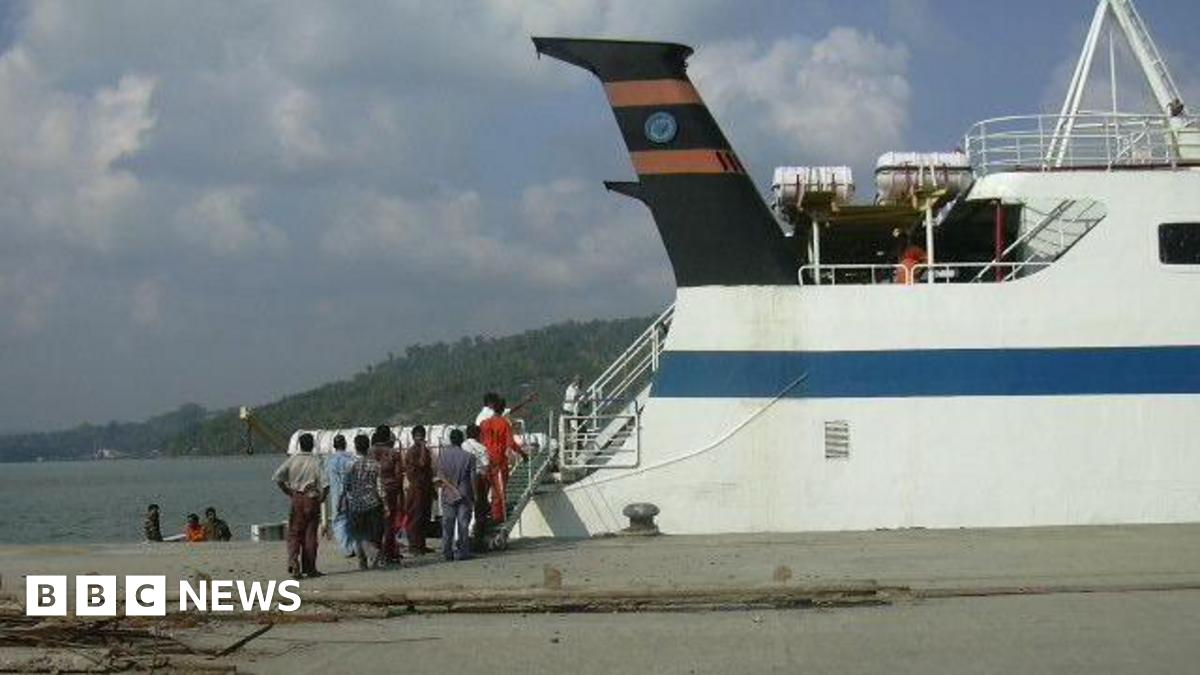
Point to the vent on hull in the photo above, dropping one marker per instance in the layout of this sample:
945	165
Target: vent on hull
837	439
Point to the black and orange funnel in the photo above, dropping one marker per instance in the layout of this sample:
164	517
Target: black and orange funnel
714	224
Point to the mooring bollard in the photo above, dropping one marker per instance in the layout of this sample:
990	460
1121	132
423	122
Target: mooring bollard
641	519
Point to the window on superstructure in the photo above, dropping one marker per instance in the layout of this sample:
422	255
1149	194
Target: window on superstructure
1179	243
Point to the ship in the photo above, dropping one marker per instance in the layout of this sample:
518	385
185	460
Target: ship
1006	335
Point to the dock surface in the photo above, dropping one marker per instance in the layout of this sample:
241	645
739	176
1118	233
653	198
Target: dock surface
1069	599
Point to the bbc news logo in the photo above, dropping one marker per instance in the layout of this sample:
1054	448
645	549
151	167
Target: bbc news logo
146	595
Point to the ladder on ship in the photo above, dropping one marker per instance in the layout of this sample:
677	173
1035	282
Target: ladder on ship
604	432
1053	234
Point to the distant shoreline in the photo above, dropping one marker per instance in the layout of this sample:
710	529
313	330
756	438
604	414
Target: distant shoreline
80	460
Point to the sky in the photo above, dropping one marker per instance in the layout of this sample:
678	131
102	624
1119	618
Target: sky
221	203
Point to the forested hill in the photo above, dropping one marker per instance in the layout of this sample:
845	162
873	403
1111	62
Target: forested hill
428	383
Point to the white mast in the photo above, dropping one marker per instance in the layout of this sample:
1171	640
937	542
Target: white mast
1162	85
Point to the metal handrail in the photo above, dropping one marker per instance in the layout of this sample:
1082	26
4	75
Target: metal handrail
1047	218
816	269
612	395
1056	216
989	264
1085	140
498	538
642	355
599	441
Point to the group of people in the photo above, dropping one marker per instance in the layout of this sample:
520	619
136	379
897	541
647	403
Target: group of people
212	529
376	494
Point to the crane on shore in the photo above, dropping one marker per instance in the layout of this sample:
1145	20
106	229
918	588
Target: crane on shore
257	424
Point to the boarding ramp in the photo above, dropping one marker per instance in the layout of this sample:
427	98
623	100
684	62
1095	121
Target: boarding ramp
605	429
524	482
604	432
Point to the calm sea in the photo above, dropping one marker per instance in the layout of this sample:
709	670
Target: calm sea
104	501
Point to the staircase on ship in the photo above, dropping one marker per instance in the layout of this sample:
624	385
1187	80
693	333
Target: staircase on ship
603	431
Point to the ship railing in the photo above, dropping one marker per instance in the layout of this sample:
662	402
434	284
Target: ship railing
605	417
857	274
976	272
624	378
1082	141
595	441
1054	232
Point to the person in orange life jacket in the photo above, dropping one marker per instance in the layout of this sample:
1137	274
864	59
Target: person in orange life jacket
910	256
194	531
497	436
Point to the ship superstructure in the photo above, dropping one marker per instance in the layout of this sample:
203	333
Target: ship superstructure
1007	335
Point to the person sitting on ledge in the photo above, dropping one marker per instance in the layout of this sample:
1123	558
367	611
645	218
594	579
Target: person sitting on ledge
193	531
150	526
215	529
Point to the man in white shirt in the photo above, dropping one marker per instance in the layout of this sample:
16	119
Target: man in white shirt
570	405
488	399
570	410
479	452
302	479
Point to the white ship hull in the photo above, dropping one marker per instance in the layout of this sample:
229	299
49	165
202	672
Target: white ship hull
1071	396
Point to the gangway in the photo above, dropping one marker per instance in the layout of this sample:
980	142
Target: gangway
524	482
603	433
605	429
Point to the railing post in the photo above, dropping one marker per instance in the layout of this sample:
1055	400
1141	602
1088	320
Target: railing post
983	149
816	248
654	349
1108	138
1042	137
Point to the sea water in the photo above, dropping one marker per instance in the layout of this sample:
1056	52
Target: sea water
105	501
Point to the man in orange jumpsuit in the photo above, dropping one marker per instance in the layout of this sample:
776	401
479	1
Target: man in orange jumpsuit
497	436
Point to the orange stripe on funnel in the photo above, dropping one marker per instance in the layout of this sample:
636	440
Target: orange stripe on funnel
684	161
650	92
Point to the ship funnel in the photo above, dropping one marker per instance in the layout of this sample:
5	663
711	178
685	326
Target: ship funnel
716	228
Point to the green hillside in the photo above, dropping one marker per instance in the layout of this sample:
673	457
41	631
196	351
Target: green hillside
428	383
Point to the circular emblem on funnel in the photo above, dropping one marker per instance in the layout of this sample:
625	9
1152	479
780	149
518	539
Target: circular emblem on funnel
661	127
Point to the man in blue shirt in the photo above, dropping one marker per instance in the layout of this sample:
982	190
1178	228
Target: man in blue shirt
337	468
456	478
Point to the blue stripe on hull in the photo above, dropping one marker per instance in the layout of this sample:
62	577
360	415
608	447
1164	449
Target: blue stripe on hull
940	372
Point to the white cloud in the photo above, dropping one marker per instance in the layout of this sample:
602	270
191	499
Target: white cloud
294	118
566	234
219	221
841	99
146	303
27	298
62	176
442	230
586	237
